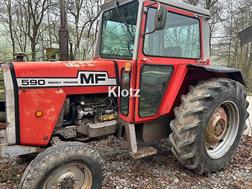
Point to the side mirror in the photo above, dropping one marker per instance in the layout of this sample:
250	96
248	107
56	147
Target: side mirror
160	17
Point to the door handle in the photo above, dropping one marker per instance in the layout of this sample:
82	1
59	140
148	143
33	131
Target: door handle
147	60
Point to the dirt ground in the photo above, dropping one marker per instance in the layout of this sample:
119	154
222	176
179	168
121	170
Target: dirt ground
249	121
161	171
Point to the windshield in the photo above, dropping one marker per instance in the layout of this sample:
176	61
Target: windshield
118	31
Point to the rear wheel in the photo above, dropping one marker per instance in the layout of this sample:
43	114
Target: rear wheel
208	125
68	165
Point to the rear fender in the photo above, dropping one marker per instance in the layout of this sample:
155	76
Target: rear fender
218	71
201	72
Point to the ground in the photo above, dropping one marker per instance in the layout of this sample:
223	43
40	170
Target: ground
159	171
249	121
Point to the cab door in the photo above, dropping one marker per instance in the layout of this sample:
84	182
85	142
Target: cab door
162	60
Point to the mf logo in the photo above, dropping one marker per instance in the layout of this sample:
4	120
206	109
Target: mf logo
93	78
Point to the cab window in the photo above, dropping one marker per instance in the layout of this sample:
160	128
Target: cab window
180	38
118	31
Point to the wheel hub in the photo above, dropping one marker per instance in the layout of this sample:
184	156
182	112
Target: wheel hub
222	129
217	127
66	181
71	176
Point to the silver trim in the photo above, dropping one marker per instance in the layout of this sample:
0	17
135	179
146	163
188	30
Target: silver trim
175	3
138	29
98	37
110	4
104	80
186	6
206	35
10	104
17	150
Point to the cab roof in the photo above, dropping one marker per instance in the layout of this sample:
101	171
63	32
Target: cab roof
173	3
186	6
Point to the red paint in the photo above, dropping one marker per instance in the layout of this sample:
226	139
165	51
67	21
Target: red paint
34	130
62	69
179	73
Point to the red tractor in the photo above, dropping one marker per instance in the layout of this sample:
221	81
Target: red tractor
150	76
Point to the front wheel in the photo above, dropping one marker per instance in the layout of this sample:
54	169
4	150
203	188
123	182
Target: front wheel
69	165
208	125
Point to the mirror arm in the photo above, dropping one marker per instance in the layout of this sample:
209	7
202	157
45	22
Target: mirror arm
147	33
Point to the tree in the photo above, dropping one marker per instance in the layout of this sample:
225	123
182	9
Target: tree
7	17
192	2
35	12
239	56
33	22
82	14
215	7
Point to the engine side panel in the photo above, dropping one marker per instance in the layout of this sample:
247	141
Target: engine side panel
36	130
44	86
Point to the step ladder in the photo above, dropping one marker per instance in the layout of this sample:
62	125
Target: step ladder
135	152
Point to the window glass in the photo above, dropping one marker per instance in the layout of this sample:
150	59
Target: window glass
118	31
125	84
154	80
180	38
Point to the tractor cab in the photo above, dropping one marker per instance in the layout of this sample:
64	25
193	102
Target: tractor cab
150	41
160	49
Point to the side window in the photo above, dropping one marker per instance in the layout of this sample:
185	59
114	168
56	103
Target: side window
180	38
124	100
154	80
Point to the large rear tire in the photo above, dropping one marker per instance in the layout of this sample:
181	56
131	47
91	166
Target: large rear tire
68	165
208	125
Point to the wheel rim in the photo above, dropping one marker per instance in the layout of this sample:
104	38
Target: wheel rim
222	129
70	176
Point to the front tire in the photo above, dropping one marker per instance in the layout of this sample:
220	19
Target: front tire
208	125
68	165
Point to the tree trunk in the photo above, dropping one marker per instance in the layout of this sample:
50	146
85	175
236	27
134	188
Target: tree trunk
33	49
10	28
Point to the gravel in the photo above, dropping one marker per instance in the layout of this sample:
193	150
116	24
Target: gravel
159	171
249	121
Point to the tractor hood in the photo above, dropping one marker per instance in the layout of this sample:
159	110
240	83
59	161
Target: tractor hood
65	74
44	86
